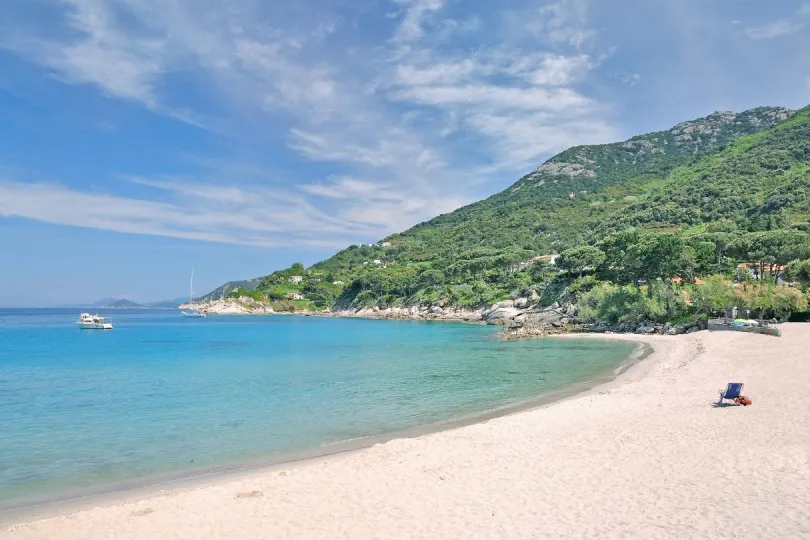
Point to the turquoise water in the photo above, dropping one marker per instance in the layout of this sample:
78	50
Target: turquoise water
161	393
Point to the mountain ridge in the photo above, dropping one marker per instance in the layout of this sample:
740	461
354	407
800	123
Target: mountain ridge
575	198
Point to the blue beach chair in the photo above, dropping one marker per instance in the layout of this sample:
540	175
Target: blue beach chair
733	390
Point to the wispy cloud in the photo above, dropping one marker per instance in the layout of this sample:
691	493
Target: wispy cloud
561	23
397	131
415	12
782	27
181	208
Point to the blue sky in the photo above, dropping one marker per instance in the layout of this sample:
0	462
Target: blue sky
140	138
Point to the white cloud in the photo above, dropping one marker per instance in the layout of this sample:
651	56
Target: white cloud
493	96
217	213
521	139
782	27
416	11
407	128
350	188
120	67
561	23
628	79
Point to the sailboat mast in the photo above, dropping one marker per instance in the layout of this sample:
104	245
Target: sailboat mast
191	287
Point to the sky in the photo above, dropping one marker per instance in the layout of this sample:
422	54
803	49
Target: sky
141	138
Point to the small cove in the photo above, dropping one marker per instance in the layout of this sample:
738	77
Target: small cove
165	396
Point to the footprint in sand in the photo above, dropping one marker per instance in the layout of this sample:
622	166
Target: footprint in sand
249	495
145	511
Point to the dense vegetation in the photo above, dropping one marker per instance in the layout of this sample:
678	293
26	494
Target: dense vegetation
655	227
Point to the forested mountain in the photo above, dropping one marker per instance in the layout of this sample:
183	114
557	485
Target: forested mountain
673	193
554	206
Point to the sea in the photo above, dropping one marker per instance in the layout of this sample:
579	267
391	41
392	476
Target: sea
162	396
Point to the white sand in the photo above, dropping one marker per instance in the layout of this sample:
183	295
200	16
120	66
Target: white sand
647	457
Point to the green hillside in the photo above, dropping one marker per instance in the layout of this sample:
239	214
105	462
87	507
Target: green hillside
658	203
224	290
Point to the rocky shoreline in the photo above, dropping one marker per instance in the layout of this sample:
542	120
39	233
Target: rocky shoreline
521	318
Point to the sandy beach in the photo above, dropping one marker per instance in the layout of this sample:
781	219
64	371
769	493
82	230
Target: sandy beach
647	455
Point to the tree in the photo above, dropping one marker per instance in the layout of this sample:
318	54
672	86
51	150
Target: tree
430	278
657	256
722	225
618	265
580	258
799	271
713	296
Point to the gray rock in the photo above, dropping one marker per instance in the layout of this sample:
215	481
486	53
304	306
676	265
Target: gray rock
692	330
521	302
503	315
642	329
544	317
437	310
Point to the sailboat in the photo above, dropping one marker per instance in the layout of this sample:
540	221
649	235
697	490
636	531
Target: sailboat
192	311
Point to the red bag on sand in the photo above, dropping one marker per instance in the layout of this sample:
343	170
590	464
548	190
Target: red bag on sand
743	400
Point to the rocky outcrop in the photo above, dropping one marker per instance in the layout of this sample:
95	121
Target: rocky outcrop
244	305
521	317
646	327
572	170
417	313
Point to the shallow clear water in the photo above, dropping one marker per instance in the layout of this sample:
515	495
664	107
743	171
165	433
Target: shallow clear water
161	393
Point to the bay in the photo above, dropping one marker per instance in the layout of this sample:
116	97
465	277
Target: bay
162	393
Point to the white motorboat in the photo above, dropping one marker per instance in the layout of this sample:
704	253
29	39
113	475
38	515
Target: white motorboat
192	311
94	322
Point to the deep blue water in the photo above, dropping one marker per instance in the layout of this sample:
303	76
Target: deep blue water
162	393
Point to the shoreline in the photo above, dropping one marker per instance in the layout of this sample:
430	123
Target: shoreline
647	453
131	490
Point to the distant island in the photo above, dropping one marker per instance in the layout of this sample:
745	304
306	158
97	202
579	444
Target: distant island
123	303
653	234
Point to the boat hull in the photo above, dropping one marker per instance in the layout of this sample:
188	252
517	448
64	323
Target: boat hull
95	326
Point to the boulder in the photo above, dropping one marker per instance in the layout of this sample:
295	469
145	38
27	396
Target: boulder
544	317
436	310
503	315
521	302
